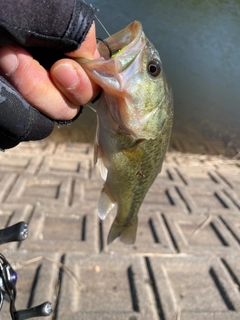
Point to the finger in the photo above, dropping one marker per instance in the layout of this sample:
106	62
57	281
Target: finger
35	83
73	81
83	89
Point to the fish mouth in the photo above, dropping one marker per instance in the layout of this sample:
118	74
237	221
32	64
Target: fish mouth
129	36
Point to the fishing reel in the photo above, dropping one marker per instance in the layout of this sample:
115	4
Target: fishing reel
8	277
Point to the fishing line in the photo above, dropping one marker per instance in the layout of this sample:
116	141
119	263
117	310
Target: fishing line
102	25
109	49
90	107
99	20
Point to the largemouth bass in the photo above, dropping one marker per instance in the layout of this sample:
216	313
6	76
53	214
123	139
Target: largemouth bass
135	115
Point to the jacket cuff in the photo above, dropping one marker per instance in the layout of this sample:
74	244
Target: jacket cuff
81	21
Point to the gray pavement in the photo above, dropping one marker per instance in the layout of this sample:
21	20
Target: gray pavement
185	264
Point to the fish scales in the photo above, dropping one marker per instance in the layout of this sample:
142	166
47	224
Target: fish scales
135	114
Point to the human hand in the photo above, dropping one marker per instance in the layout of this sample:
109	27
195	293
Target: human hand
31	97
57	93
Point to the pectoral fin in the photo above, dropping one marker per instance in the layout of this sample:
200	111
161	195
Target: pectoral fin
105	203
98	159
103	170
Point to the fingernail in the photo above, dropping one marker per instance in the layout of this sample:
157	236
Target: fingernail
66	75
8	61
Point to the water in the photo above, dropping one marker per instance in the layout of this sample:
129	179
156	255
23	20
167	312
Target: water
198	41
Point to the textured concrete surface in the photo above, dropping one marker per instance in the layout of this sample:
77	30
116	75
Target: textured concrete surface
185	264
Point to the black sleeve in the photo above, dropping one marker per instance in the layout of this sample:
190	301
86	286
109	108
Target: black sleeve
47	29
58	24
19	121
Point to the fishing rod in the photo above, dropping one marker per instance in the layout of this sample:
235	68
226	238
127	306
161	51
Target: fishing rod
8	277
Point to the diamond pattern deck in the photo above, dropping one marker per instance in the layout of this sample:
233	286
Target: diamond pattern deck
185	264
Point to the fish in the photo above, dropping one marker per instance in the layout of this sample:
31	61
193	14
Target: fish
134	121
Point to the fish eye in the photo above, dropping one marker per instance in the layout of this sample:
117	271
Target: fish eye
154	68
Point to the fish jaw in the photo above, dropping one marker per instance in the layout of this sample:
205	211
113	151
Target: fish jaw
129	36
105	71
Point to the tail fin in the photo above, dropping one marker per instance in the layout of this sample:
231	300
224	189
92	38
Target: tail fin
126	232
